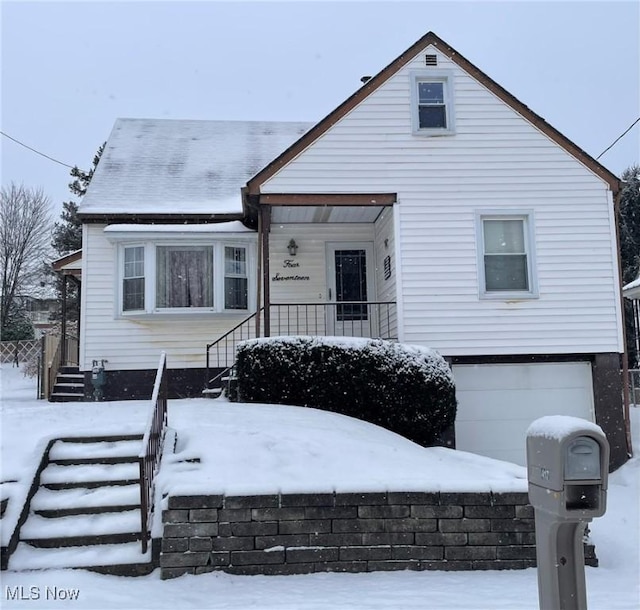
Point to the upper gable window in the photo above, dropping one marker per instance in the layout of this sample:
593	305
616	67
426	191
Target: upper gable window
432	111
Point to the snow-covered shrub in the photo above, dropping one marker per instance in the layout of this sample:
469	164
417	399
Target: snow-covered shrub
404	388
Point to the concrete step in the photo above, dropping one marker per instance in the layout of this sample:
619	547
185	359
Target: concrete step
68	386
70	378
79	473
84	529
72	449
66	397
83	498
127	556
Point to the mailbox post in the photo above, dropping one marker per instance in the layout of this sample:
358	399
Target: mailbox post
567	467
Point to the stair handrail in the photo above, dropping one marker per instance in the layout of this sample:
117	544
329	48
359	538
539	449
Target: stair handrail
225	338
151	452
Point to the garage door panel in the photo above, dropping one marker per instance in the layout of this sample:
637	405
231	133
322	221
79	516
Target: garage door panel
519	376
498	402
511	404
476	437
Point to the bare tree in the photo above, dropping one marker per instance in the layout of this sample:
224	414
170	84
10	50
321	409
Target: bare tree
25	234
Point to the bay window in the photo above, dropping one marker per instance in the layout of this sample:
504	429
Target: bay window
158	277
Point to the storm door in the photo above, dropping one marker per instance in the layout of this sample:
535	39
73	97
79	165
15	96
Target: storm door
350	289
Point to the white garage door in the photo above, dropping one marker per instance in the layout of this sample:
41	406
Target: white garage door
497	402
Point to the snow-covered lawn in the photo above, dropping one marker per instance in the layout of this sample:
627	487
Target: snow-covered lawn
262	448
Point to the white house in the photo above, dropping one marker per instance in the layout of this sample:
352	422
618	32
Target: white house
430	207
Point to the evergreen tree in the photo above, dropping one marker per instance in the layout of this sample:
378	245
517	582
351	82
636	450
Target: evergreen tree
629	228
67	234
630	224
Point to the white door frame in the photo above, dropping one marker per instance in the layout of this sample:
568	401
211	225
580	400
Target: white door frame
361	328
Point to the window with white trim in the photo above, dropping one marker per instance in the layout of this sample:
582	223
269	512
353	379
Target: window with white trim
432	102
161	277
506	257
133	279
235	277
184	276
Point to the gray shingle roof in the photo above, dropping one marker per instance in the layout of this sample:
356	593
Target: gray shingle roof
175	166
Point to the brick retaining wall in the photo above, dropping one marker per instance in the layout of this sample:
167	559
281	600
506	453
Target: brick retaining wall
348	532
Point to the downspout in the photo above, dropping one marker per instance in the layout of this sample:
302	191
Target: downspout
625	364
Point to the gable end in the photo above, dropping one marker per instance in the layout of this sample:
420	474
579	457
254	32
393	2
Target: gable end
430	39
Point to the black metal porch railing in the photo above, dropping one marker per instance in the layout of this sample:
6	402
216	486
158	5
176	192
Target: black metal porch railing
151	452
374	319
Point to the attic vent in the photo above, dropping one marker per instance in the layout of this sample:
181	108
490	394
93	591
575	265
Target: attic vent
431	60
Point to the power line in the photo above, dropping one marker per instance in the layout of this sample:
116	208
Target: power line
618	138
6	135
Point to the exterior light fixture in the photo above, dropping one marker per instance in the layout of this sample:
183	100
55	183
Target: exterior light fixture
292	247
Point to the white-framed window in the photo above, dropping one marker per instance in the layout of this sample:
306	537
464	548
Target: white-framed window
184	276
157	277
432	108
506	255
236	281
133	278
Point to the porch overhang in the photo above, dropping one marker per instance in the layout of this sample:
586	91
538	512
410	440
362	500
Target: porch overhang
632	290
323	207
70	264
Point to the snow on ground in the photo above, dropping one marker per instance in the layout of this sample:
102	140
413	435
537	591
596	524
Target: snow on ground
239	448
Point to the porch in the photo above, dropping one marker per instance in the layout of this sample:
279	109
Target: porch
325	267
373	319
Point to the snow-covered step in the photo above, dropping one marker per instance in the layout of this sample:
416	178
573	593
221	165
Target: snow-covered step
38	528
46	499
27	557
66	450
78	475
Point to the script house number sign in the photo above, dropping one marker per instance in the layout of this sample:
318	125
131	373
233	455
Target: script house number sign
288	275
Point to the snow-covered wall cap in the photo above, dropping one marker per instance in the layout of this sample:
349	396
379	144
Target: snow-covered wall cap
234	226
560	426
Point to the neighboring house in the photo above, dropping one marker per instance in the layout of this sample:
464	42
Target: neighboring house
39	303
430	207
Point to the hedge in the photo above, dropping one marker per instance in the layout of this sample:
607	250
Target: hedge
404	388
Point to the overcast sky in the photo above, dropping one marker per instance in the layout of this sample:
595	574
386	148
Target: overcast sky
70	69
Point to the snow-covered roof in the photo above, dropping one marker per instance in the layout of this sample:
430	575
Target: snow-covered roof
234	226
632	289
183	166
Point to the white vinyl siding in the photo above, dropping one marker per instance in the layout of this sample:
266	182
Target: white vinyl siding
135	342
495	160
